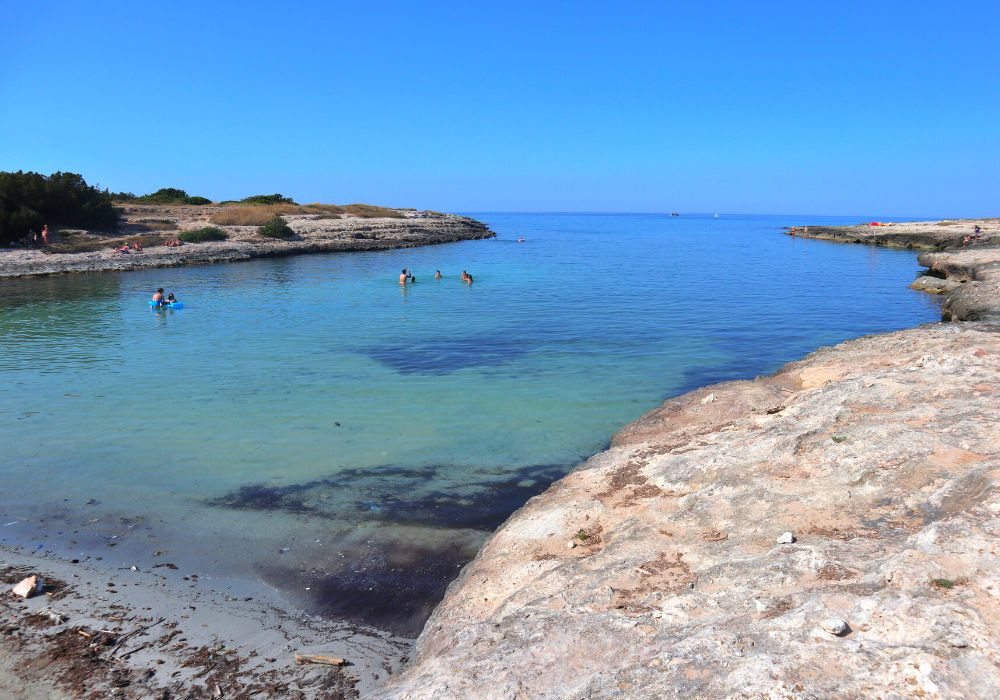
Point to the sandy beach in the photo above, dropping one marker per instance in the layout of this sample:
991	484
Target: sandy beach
100	630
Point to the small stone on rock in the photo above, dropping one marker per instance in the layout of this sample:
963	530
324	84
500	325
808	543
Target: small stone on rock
571	544
28	587
709	399
785	538
834	625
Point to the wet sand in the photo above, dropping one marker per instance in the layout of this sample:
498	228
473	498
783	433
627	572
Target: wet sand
165	632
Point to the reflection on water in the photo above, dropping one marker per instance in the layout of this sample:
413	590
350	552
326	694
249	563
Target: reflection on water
307	419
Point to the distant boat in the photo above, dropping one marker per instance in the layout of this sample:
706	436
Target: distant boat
673	213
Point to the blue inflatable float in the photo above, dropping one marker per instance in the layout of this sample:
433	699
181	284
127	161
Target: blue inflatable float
171	305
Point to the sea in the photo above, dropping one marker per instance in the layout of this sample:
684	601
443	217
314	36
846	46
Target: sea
308	424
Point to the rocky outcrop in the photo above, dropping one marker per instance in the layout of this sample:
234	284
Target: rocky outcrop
976	269
312	235
830	531
965	266
919	235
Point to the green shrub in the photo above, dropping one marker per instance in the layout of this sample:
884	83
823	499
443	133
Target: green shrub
164	195
206	233
276	228
28	200
267	199
168	195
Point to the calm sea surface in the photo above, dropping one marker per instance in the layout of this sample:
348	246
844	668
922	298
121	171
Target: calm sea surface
307	423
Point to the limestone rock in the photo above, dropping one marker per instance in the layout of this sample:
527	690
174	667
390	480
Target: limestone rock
934	285
785	538
834	625
28	587
652	608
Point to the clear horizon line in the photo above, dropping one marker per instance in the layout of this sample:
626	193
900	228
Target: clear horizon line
713	214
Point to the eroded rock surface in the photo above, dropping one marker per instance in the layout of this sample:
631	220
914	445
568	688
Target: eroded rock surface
881	455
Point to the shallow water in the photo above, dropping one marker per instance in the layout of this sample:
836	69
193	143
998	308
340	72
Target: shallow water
308	422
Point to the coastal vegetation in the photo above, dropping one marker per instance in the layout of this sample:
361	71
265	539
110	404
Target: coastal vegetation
276	228
204	234
29	200
266	199
164	195
241	215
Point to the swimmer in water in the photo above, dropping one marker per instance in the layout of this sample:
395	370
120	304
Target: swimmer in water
520	239
437	274
404	276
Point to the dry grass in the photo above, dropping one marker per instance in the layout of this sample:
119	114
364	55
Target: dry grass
370	211
72	242
251	215
257	215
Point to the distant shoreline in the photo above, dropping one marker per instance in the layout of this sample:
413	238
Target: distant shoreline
164	222
961	263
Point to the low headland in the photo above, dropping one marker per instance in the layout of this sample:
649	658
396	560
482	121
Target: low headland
169	228
828	531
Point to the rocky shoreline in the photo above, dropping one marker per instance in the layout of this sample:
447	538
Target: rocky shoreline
313	234
961	263
829	531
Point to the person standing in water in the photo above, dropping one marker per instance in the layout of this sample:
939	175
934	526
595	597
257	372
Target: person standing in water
404	275
158	297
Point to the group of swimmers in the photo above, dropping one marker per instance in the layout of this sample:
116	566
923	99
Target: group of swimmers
407	277
162	301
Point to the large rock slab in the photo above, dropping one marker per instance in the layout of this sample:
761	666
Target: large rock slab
880	455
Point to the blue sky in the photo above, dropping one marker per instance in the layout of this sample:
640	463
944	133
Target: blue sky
887	108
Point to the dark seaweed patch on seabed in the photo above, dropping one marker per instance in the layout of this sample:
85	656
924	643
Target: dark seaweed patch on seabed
398	495
393	586
447	355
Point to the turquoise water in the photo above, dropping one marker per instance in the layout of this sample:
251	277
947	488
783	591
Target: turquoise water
306	422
